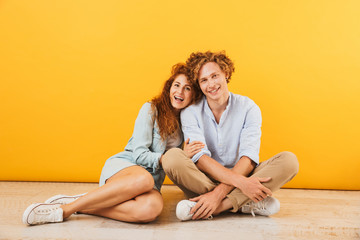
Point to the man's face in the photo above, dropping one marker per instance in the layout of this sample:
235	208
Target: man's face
212	81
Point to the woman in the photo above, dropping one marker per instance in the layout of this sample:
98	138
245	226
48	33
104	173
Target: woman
130	181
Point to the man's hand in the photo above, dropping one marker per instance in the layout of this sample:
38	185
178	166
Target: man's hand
206	205
192	148
253	188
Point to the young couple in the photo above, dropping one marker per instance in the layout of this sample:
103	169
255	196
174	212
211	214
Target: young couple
218	168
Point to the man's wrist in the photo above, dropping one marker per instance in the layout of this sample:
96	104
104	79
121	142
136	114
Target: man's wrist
238	181
223	189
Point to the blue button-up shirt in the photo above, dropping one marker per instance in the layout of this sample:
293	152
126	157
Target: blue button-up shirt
237	134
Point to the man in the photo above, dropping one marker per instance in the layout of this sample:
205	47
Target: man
225	175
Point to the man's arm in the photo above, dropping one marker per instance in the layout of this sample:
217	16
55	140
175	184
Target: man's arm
229	178
243	167
208	165
236	177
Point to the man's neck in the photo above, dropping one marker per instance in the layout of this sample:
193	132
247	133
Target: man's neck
219	106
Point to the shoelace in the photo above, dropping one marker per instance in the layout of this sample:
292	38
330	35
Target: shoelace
45	211
259	206
46	215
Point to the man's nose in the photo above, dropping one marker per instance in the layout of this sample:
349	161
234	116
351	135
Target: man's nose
212	82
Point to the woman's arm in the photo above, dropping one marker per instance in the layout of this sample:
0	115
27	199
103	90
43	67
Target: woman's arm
143	138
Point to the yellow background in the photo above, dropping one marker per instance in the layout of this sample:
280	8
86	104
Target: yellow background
75	73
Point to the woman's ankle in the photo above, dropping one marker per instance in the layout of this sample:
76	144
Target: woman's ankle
66	211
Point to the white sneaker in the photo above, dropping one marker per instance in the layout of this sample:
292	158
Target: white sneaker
183	209
39	213
63	199
266	207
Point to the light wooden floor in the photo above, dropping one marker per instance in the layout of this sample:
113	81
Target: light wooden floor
304	214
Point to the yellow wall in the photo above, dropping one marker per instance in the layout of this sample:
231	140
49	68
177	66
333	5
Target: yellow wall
75	73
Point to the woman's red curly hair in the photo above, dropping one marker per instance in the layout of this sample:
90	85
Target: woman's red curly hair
167	117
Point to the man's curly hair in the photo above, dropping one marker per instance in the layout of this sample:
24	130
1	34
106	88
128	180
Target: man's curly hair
198	59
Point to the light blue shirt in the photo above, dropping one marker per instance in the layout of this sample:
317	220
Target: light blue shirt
146	146
237	134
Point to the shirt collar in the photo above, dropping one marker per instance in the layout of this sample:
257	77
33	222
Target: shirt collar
210	113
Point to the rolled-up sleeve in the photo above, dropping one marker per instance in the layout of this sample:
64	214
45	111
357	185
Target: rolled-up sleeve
250	134
143	138
191	128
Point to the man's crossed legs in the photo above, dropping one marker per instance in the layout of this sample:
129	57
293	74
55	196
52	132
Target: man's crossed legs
184	173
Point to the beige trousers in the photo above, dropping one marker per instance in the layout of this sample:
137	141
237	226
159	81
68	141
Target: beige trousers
184	173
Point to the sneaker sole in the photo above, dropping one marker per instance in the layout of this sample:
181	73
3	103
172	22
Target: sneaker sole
57	197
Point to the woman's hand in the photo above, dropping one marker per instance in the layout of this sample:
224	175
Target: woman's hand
192	148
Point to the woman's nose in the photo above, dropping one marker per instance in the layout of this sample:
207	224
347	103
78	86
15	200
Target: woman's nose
180	90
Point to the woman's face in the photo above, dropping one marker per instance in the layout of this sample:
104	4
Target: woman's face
180	92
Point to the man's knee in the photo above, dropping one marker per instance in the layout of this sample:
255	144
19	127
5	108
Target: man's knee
173	159
290	162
